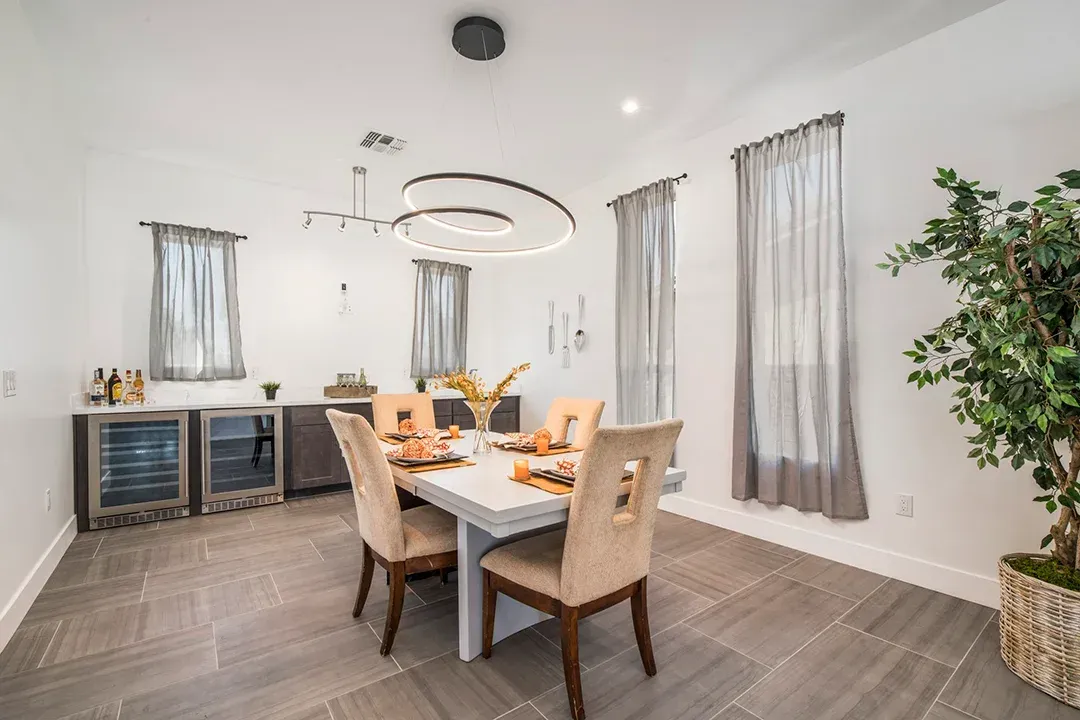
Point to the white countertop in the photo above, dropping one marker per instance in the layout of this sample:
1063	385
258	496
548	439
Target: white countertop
235	403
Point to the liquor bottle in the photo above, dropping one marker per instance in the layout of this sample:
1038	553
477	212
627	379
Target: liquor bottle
129	389
140	388
97	389
115	388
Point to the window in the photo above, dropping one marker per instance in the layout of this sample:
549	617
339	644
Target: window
441	320
195	316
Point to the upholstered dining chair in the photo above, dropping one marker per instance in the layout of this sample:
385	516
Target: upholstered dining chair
602	557
385	409
420	539
563	410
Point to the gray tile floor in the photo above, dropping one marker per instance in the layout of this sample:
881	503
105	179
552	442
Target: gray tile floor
246	615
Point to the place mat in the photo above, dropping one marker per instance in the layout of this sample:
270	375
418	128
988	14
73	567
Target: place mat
534	453
437	466
552	486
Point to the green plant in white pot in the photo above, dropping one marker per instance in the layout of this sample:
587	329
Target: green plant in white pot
1011	350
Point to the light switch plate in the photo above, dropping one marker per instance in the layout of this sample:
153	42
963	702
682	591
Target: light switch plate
9	383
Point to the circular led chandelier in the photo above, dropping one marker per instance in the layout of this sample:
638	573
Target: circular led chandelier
480	39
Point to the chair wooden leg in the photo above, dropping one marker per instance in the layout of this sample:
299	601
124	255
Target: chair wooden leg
366	572
444	576
639	606
393	608
490	596
571	666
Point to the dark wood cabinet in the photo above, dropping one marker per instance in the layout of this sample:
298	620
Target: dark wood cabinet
313	456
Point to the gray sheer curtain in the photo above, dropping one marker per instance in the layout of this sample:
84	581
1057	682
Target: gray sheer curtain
194	313
794	438
441	320
645	304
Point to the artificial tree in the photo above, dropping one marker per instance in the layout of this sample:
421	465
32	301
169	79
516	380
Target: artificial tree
1012	346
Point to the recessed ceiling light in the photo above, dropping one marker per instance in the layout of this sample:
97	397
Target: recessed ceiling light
630	106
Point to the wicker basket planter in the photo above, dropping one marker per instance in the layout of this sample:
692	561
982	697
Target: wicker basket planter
1040	632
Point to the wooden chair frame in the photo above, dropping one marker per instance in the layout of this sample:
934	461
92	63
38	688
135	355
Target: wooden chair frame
397	572
569	618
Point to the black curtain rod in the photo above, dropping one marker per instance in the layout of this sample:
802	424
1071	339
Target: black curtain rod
676	179
841	122
416	260
146	224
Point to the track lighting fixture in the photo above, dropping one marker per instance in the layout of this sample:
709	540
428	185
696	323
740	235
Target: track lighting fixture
307	223
358	213
341	227
375	229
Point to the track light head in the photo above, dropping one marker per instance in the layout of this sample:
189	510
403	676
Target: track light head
375	229
307	223
341	227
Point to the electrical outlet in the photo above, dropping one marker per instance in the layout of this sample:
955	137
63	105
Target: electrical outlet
48	500
905	505
9	383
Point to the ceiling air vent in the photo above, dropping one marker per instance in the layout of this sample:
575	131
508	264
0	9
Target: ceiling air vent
385	144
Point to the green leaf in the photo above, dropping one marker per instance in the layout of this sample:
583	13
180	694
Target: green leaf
1051	506
964	362
1046	541
920	345
914	376
1058	352
1042	422
1017	206
981	463
976	452
1049	190
991	195
992	459
1069	400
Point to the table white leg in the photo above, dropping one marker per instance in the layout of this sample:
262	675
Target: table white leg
510	615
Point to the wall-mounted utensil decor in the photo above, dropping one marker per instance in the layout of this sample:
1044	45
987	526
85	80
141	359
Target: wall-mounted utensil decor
551	327
566	339
579	336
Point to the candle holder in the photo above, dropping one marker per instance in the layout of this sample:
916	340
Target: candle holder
455	431
542	444
521	469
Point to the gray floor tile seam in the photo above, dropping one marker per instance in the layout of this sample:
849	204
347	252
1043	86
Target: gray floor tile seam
952	707
119	708
895	645
554	644
49	646
937	698
685	589
714	603
512	710
342	519
734	704
213	630
329	710
277	592
316	549
782	663
818	587
142	595
859	604
725	646
99	542
538	712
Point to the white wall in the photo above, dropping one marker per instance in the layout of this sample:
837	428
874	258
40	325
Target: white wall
288	279
996	104
40	335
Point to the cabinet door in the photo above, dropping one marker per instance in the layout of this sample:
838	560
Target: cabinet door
503	422
316	457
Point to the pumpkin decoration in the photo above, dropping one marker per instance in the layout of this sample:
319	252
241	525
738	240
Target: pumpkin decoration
407	426
541	434
414	449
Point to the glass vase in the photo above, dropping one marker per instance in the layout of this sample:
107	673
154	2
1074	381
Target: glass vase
481	410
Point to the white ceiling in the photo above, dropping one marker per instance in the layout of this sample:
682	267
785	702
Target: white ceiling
283	90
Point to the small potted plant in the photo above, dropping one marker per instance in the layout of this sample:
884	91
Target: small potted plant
270	387
421	385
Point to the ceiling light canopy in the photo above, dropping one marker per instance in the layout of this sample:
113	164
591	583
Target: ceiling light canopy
482	40
630	106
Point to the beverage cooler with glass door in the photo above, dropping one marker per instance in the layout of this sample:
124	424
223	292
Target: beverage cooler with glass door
242	460
137	468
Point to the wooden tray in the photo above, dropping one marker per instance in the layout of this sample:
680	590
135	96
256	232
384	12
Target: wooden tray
552	486
349	391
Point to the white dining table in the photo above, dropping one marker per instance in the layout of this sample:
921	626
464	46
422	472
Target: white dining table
492	510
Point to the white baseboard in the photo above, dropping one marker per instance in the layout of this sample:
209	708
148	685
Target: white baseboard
958	583
16	609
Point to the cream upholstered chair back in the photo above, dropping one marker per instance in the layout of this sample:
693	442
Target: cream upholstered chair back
586	412
607	548
385	408
377	508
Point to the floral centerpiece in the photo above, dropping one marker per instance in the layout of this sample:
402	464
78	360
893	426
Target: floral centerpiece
479	399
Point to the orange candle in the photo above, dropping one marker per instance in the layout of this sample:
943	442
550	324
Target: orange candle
521	469
541	446
455	431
